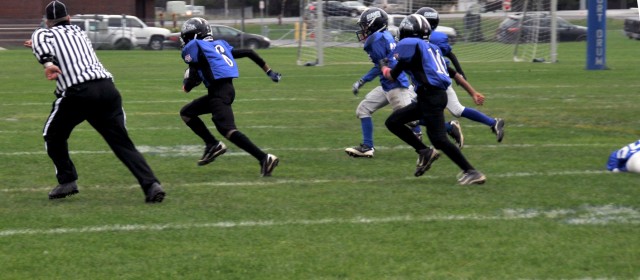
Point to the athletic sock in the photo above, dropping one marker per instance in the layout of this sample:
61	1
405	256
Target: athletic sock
477	116
200	129
243	142
367	131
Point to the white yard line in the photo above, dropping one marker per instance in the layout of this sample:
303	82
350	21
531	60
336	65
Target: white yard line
585	215
190	150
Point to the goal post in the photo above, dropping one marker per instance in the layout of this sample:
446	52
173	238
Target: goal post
479	30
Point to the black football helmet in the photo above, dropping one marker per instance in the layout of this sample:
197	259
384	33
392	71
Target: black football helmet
195	28
372	20
431	15
414	26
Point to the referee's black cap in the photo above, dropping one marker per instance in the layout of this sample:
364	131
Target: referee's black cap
56	10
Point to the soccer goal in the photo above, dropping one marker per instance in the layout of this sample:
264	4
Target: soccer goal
479	30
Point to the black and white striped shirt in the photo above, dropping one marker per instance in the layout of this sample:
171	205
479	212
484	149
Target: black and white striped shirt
70	49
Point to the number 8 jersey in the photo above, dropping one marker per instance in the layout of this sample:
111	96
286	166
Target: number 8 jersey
213	59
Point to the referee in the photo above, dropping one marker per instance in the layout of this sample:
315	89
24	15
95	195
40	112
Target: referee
84	91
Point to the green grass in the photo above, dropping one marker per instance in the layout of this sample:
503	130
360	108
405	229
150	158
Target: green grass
547	211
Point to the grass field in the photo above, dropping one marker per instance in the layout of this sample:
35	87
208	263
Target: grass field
549	210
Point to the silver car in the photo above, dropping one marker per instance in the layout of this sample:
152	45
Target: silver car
102	37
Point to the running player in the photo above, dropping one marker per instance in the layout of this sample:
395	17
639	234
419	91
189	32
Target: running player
441	40
424	63
379	44
212	62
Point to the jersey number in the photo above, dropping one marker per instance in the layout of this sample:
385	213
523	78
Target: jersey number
221	51
631	148
440	64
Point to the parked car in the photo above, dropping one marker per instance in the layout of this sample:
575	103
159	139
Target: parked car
355	4
104	38
632	28
391	7
147	37
396	19
234	37
333	8
540	23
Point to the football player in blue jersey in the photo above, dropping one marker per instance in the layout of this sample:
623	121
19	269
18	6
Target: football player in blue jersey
379	44
427	69
212	62
441	40
625	159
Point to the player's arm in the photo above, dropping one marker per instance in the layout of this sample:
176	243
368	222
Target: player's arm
477	97
370	76
191	78
454	59
251	54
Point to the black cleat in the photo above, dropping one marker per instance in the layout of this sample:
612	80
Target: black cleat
360	151
498	129
268	164
154	194
425	159
211	152
456	133
472	177
64	190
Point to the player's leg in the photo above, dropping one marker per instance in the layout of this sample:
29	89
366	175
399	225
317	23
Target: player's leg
458	110
190	115
432	105
396	123
373	101
223	94
401	97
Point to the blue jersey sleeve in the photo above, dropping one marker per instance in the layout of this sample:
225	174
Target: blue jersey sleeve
218	58
378	46
441	40
433	66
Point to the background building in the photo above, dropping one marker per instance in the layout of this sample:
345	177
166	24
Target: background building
32	11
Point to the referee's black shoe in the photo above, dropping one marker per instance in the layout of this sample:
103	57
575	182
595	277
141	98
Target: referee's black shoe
154	194
268	164
211	152
64	190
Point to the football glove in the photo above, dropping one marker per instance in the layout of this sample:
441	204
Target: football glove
188	83
275	76
384	62
357	85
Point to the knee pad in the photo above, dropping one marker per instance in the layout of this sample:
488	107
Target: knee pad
362	111
455	109
453	104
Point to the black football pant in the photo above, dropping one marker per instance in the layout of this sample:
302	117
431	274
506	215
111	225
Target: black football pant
99	103
429	107
217	102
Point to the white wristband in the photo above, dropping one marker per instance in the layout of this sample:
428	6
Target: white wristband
47	64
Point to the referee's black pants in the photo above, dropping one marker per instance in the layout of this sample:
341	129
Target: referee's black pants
429	107
100	103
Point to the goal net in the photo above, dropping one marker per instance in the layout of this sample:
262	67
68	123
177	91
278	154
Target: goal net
479	30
